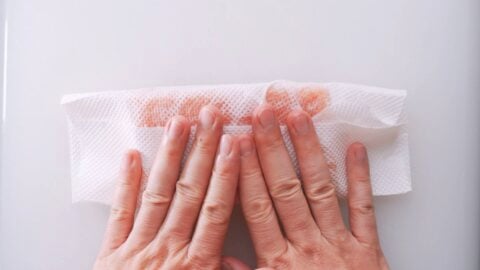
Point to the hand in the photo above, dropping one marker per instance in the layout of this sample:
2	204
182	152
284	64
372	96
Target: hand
179	224
298	225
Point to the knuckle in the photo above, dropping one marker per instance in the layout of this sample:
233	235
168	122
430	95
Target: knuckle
286	189
278	262
319	192
155	199
251	173
188	192
372	245
126	182
200	260
362	179
364	208
338	235
299	224
258	211
216	213
223	172
120	214
170	236
309	249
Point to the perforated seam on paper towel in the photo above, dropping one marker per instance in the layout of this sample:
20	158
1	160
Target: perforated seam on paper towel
104	125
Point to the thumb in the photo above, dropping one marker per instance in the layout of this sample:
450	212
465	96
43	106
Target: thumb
231	263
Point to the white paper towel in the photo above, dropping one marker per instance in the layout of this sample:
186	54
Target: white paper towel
104	125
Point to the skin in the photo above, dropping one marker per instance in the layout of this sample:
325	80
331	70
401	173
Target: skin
294	224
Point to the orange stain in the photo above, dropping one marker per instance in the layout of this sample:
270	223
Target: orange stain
245	120
155	112
313	100
152	114
227	116
191	107
281	102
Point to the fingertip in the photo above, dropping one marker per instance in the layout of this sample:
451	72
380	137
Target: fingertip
210	117
300	124
226	145
212	108
357	152
264	118
131	160
246	145
244	136
296	113
132	153
357	162
261	108
215	111
182	120
229	146
179	120
235	147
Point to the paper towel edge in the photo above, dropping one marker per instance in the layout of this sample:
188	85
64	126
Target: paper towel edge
68	98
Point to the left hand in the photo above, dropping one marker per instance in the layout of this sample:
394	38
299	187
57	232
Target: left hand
179	224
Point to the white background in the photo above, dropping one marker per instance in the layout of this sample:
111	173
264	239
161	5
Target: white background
55	47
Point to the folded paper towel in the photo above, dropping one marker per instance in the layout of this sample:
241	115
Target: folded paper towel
104	125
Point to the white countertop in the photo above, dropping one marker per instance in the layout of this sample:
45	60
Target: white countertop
55	47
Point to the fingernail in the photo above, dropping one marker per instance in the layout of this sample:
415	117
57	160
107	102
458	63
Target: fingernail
360	152
226	266
266	117
207	118
301	124
246	147
226	145
175	128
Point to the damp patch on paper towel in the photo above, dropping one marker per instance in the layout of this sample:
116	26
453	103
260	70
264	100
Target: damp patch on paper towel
103	125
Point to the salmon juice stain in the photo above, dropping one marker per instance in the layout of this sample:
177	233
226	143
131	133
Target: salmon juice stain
156	111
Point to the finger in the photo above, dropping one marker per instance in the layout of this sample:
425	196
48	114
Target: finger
317	183
217	208
231	263
256	204
282	182
161	181
192	185
360	202
125	201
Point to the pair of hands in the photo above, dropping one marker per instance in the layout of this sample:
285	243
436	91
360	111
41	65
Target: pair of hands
294	224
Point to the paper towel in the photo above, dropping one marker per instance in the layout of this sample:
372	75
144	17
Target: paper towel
102	126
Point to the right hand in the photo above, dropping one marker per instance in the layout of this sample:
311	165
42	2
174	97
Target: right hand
297	224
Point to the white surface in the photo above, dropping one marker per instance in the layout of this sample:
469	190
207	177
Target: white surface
427	46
